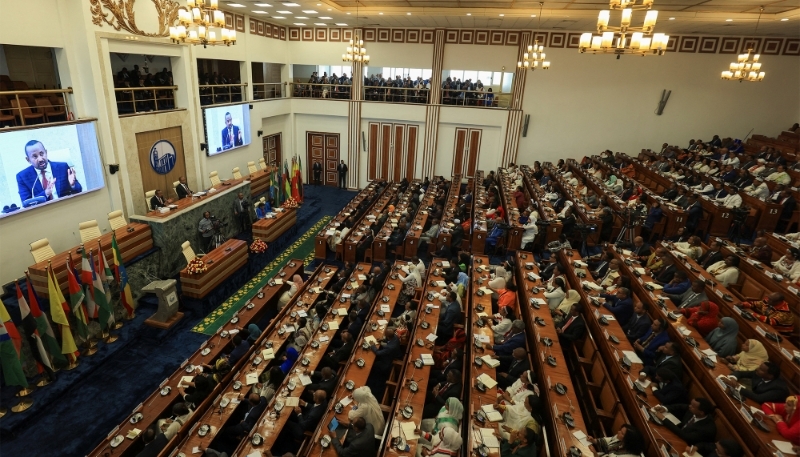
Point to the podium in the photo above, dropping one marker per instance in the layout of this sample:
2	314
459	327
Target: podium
167	314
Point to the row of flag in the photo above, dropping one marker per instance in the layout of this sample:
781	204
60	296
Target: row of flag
288	184
89	298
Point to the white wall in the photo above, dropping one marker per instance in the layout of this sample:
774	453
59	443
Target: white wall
399	114
586	103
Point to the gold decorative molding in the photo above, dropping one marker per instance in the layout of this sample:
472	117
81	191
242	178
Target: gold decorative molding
124	18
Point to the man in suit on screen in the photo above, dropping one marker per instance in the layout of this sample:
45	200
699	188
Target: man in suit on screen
44	178
231	135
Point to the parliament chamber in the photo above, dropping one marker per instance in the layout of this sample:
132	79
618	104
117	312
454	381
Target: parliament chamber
400	229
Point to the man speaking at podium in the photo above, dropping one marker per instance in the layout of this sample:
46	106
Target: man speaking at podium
231	135
44	178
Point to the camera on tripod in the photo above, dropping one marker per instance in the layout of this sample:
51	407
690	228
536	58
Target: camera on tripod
740	214
586	228
218	224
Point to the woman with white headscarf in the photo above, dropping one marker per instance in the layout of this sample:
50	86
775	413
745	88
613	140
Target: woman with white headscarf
446	444
334	240
450	416
368	408
556	294
411	281
518	415
503	320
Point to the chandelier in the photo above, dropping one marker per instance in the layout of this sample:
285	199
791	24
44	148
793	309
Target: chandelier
746	68
626	39
356	52
198	24
535	54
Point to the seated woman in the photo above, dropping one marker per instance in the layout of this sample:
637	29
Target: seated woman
446	444
442	353
786	418
502	322
725	271
628	442
789	264
288	359
705	318
449	416
521	444
368	408
723	338
519	415
180	414
556	294
752	356
268	387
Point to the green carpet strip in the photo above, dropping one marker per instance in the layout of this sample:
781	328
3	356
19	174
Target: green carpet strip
303	248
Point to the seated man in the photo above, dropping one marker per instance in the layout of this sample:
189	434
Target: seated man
697	426
691	297
679	284
620	304
767	385
573	327
692	248
511	367
647	346
667	356
436	399
359	441
638	324
255	406
761	251
772	310
514	338
306	416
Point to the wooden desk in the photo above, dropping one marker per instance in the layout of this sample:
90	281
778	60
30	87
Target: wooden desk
560	435
270	230
620	378
756	440
157	406
131	243
478	228
216	416
447	223
382	236
259	183
361	231
180	205
269	426
221	263
321	240
553	231
515	231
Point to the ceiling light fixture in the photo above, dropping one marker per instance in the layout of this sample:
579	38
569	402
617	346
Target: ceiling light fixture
380	14
198	23
408	14
325	17
616	40
672	19
284	12
535	55
356	53
259	12
469	14
299	23
501	15
784	19
235	5
309	11
341	24
533	15
291	4
746	68
320	23
278	17
301	17
263	5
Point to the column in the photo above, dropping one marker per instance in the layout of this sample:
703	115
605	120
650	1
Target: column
354	116
515	114
434	106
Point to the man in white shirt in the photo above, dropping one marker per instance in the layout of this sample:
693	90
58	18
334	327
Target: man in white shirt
732	159
780	176
734	200
761	191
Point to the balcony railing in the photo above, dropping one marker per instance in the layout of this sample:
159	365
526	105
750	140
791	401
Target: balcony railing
475	98
137	100
396	94
333	91
219	94
26	107
266	91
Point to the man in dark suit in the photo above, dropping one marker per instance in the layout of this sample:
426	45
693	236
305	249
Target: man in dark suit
667	271
692	297
154	442
620	304
340	354
341	169
694	212
574	327
44	178
712	256
306	416
638	324
641	250
255	406
515	338
317	171
358	442
789	203
511	367
231	135
324	379
669	357
385	355
158	201
451	387
455	362
182	189
696	426
767	384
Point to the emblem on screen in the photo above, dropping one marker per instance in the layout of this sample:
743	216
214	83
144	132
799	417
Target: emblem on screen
162	157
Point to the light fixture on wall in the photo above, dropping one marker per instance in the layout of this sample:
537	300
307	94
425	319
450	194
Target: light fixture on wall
625	39
535	54
356	52
746	68
199	22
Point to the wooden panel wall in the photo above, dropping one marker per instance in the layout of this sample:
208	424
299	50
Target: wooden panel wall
150	179
392	151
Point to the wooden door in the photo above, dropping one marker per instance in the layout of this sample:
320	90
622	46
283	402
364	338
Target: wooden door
272	150
466	150
323	148
154	147
392	151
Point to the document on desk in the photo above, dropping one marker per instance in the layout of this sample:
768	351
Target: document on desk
291	401
251	378
371	340
305	380
668	415
407	428
784	446
632	356
488	438
427	359
492	414
487	381
490	362
609	317
333	325
711	354
654	285
342	311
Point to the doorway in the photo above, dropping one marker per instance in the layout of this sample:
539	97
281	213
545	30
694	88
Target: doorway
272	150
323	148
467	150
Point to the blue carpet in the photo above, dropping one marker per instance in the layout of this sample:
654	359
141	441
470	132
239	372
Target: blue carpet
78	410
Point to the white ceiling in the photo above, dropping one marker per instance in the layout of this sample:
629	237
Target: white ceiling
707	17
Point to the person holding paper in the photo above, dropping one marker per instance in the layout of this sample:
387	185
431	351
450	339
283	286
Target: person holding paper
385	354
306	416
450	388
523	414
181	412
337	355
276	377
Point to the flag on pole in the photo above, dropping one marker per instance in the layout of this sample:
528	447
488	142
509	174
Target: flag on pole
44	328
31	330
86	280
58	306
287	186
295	180
100	291
76	297
122	276
9	359
300	177
11	328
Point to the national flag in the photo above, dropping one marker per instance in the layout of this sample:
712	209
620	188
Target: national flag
300	177
86	280
295	181
11	328
76	297
287	187
44	328
9	359
122	276
58	306
31	331
100	291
